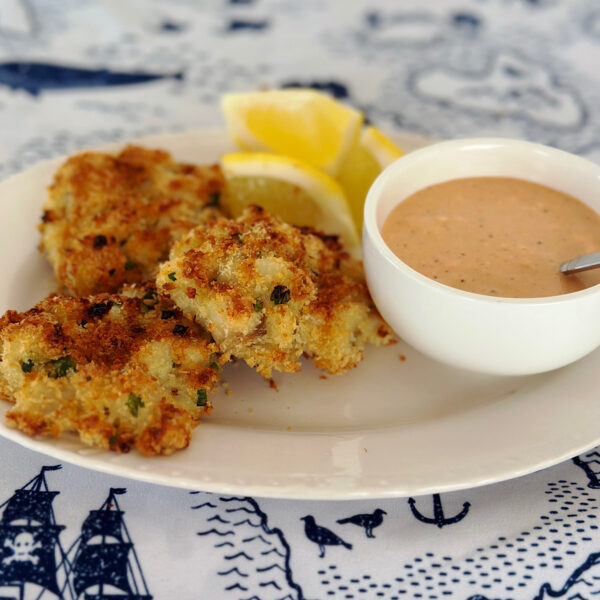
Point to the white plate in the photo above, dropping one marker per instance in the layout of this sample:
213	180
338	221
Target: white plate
389	428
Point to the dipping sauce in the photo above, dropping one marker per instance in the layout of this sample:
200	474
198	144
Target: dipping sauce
495	236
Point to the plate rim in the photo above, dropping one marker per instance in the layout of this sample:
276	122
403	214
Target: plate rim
95	459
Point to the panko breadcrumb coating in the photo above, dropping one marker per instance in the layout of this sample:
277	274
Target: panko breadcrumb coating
111	219
120	369
269	292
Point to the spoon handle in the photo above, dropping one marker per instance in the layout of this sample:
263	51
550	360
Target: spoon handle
581	263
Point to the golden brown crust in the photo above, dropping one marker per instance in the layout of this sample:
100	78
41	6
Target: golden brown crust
268	292
111	219
122	370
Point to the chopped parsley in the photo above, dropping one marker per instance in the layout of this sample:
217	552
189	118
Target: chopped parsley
280	295
134	403
112	440
27	366
129	265
201	398
214	200
171	276
61	366
238	237
258	306
214	366
83	323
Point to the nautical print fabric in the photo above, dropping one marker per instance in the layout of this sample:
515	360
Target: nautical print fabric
78	73
532	538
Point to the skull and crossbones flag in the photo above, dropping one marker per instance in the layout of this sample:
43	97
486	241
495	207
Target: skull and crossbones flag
28	538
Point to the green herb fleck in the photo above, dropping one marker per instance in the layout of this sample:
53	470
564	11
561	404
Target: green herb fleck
214	366
201	398
280	295
112	440
27	366
214	200
62	366
172	277
258	306
134	403
238	237
129	265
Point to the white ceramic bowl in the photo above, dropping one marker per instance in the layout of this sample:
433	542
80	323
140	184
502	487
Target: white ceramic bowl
508	336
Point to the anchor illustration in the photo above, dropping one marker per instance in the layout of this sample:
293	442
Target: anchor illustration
438	513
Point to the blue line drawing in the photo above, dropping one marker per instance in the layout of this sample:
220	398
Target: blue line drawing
399	29
588	464
216	532
244	25
105	564
438	518
509	85
100	564
255	554
337	89
36	77
171	27
579	581
31	552
322	536
368	521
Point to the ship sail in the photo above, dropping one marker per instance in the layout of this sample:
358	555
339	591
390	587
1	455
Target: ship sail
29	537
99	564
102	522
105	564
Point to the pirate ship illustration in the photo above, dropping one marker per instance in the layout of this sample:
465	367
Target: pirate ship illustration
101	564
103	568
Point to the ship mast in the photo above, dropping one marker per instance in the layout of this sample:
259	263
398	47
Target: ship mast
102	557
29	538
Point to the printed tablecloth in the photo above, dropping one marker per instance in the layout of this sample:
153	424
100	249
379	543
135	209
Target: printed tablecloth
70	78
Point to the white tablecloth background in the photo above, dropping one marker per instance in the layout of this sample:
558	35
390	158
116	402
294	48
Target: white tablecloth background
518	68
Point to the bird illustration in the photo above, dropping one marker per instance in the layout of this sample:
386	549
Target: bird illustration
368	521
321	535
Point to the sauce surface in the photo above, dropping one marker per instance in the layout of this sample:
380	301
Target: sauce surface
495	236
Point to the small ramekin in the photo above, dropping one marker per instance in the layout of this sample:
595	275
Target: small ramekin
504	336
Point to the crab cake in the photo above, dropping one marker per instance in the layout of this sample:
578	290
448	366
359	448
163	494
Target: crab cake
118	369
111	219
269	292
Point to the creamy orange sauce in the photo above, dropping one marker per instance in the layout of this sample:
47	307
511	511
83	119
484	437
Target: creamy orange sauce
495	236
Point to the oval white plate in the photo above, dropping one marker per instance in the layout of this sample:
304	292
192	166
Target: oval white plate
389	428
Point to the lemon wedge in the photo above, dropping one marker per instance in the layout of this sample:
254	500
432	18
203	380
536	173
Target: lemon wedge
368	156
294	191
301	123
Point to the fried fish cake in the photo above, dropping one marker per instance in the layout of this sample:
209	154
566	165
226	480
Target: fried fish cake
111	219
118	369
269	292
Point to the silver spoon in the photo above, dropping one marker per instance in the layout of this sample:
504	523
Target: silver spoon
581	263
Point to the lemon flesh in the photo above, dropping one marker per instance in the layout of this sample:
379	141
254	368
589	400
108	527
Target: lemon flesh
367	157
294	191
301	123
